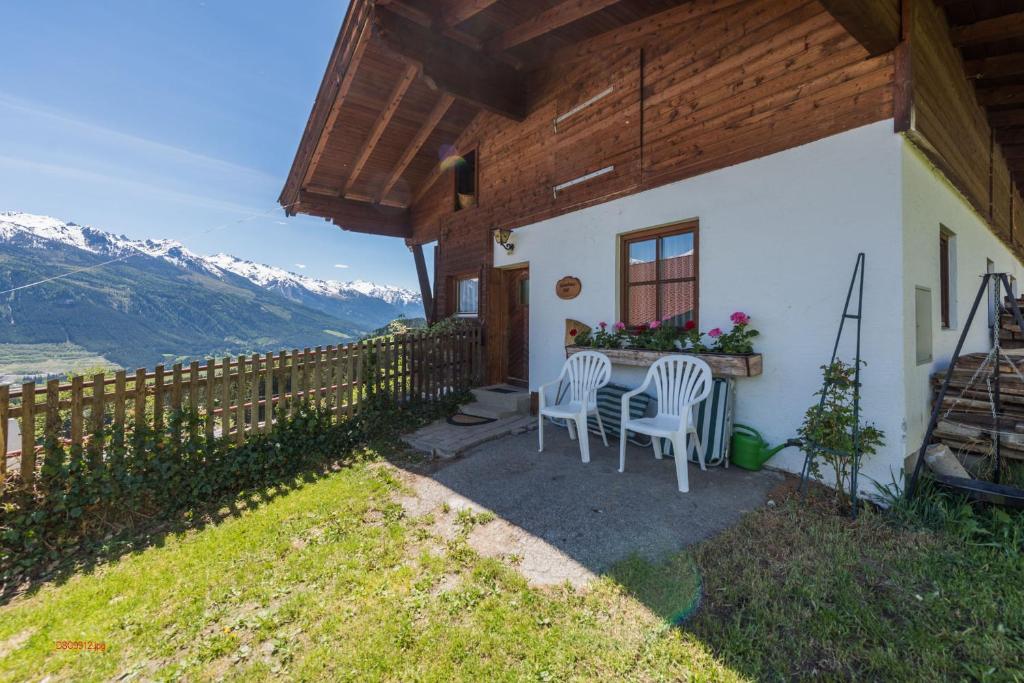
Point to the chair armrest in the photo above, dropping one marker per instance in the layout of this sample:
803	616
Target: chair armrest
542	400
629	395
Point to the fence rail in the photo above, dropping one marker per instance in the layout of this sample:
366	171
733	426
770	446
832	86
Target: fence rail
239	396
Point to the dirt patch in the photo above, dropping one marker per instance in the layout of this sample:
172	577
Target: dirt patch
15	642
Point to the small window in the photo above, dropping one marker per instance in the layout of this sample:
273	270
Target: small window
465	182
946	270
659	276
467	296
923	324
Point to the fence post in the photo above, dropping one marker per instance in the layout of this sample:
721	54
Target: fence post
77	410
193	386
240	406
158	399
225	397
120	381
210	371
254	414
28	431
176	388
268	392
5	408
52	428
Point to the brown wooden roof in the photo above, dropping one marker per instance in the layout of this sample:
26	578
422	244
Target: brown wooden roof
406	77
990	35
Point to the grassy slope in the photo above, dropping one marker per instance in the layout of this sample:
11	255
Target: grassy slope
331	581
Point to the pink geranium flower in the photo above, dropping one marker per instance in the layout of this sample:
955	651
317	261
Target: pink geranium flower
620	326
602	325
715	333
655	324
740	318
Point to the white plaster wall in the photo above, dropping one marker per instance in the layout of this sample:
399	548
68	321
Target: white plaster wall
930	202
778	240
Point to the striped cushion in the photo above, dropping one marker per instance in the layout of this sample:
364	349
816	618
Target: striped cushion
609	404
714	419
714	424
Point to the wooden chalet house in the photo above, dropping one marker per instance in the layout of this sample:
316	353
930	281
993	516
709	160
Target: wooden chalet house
749	149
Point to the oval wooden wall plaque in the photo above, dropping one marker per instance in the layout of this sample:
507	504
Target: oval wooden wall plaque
568	287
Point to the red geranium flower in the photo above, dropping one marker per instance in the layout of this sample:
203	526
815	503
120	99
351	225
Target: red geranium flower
690	326
573	332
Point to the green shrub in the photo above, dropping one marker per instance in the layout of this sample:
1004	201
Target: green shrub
124	479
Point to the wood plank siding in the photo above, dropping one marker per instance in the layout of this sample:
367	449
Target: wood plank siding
718	83
945	120
566	104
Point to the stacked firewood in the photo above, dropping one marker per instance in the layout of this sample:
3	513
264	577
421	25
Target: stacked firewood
970	425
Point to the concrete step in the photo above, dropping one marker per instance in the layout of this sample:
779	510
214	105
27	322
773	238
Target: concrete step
500	400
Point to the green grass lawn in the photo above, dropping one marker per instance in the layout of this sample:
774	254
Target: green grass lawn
332	581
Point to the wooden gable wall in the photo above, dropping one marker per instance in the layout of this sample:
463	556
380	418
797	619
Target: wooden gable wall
938	110
706	85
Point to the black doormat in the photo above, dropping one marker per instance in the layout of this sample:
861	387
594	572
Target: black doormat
503	390
465	420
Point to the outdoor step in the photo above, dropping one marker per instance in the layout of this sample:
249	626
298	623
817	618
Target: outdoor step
502	399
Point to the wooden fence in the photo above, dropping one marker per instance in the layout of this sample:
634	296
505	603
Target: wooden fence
240	395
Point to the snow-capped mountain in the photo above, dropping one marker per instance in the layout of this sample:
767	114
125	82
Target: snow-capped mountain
139	302
40	231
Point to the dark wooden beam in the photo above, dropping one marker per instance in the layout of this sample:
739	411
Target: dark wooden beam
358	50
996	67
874	23
454	68
425	291
1001	95
459	11
990	30
356	216
562	14
440	109
381	124
1007	118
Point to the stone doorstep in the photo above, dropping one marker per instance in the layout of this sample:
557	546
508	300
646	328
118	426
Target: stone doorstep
446	441
515	401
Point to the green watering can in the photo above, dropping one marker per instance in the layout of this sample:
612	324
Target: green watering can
749	449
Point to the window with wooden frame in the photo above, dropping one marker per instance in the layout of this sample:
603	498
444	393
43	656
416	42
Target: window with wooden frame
467	295
659	275
466	181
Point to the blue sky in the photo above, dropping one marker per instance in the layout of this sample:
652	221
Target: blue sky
175	119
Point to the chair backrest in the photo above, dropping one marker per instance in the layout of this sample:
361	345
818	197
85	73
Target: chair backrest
680	382
587	371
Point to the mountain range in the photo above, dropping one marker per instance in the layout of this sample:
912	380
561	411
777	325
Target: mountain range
139	302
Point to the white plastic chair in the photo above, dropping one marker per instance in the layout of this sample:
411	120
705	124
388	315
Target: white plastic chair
586	371
681	383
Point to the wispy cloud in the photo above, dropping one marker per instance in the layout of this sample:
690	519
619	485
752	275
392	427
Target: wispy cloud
300	265
341	265
141	188
134	142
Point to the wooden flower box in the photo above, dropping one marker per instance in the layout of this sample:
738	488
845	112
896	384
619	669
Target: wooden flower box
722	364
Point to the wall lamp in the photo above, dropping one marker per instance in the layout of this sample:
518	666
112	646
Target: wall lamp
503	238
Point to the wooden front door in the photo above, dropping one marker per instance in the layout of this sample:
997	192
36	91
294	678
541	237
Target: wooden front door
517	297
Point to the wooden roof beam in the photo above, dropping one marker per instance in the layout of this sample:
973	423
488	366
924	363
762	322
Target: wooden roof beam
1001	95
454	68
990	30
339	99
440	109
459	11
356	216
874	23
408	76
995	67
562	14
